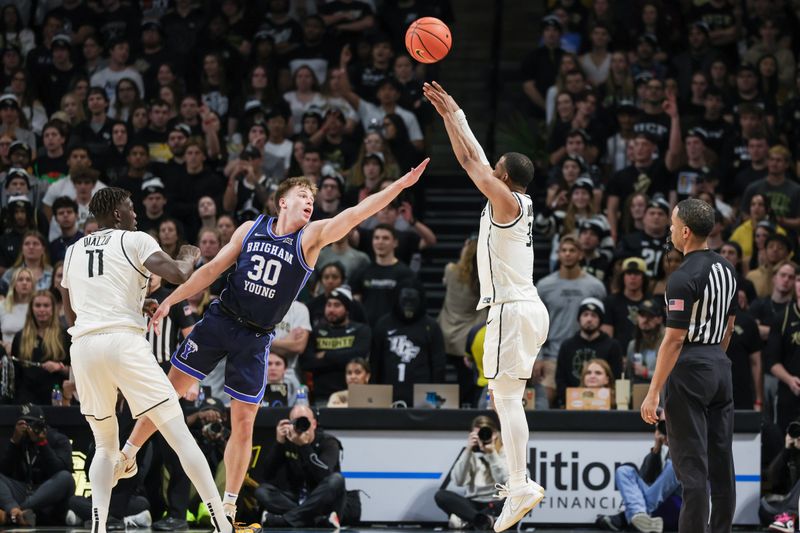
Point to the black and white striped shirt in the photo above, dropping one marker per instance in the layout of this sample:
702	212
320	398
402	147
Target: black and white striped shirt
700	297
179	318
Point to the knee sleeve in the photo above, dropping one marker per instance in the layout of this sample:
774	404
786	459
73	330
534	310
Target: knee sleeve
161	414
106	435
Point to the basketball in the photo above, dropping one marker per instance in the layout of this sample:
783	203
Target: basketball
428	40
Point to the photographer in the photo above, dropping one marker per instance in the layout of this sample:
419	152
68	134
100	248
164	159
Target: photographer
780	508
209	427
303	486
35	472
479	466
644	491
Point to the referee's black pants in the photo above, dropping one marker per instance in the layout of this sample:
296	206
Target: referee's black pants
699	416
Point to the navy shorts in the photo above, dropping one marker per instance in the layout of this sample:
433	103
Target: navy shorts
218	335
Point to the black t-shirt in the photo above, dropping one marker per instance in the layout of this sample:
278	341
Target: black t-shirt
35	384
376	285
342	155
150	225
744	341
355	10
764	310
53	84
77	17
541	66
700	296
575	352
765	104
124	21
621	313
341	345
716	131
50	168
718	18
289	31
782	346
744	178
366	80
207	183
58	247
650	180
649	248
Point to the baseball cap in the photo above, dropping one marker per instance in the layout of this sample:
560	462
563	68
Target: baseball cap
700	133
594	305
781	238
575	158
374	156
182	128
593	224
153	185
62	40
659	202
643	77
213	404
29	411
19	145
343	294
552	21
18	173
626	105
653	138
634	264
583	182
702	26
253	106
8	100
648	38
650	306
151	24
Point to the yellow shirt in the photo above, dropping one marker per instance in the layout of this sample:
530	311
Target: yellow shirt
743	236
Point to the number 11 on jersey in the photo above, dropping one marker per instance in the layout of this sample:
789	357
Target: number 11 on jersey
91	254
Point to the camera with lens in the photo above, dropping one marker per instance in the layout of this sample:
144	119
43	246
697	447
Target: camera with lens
215	431
37	426
485	435
793	429
301	424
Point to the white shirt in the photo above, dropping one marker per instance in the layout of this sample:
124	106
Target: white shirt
296	317
108	80
277	158
371	114
12	321
107	280
299	108
65	187
505	256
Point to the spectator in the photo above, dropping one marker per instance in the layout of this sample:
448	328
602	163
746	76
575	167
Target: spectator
768	44
783	194
744	234
387	94
54	81
246	192
357	372
397	140
304	97
95	133
128	105
648	243
332	276
11	120
642	350
458	314
784	478
408	346
117	70
170	236
597	61
277	149
291	339
757	151
479	466
31	108
716	128
33	256
620	307
596	374
65	210
540	66
589	343
617	145
226	227
14	308
670	261
348	18
592	232
276	374
336	342
42	351
783	355
765	309
644	492
646	174
367	77
696	58
340	251
375	284
409	242
744	352
777	248
35	472
51	166
562	293
205	181
328	202
305	460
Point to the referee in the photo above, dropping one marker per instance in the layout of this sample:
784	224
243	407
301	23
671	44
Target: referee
692	362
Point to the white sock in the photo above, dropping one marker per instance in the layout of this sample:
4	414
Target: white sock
508	393
130	450
230	498
101	472
194	464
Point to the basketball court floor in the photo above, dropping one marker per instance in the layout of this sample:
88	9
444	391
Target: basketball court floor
376	529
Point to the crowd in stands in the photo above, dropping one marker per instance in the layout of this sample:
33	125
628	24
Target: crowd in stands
200	109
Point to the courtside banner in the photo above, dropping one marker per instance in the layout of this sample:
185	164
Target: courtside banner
401	471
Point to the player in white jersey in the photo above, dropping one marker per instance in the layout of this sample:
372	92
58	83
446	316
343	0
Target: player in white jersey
105	281
518	322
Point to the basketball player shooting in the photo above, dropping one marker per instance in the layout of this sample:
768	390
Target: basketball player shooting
518	321
274	258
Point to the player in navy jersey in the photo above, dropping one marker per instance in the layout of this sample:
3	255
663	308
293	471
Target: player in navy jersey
274	258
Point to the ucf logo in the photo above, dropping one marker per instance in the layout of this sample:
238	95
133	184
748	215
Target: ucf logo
796	338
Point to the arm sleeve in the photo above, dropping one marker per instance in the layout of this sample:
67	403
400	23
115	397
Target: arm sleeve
680	300
461	121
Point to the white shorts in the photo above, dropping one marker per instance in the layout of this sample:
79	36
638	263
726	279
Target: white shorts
103	363
515	331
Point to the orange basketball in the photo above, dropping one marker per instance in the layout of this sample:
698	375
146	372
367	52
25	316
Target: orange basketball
428	40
